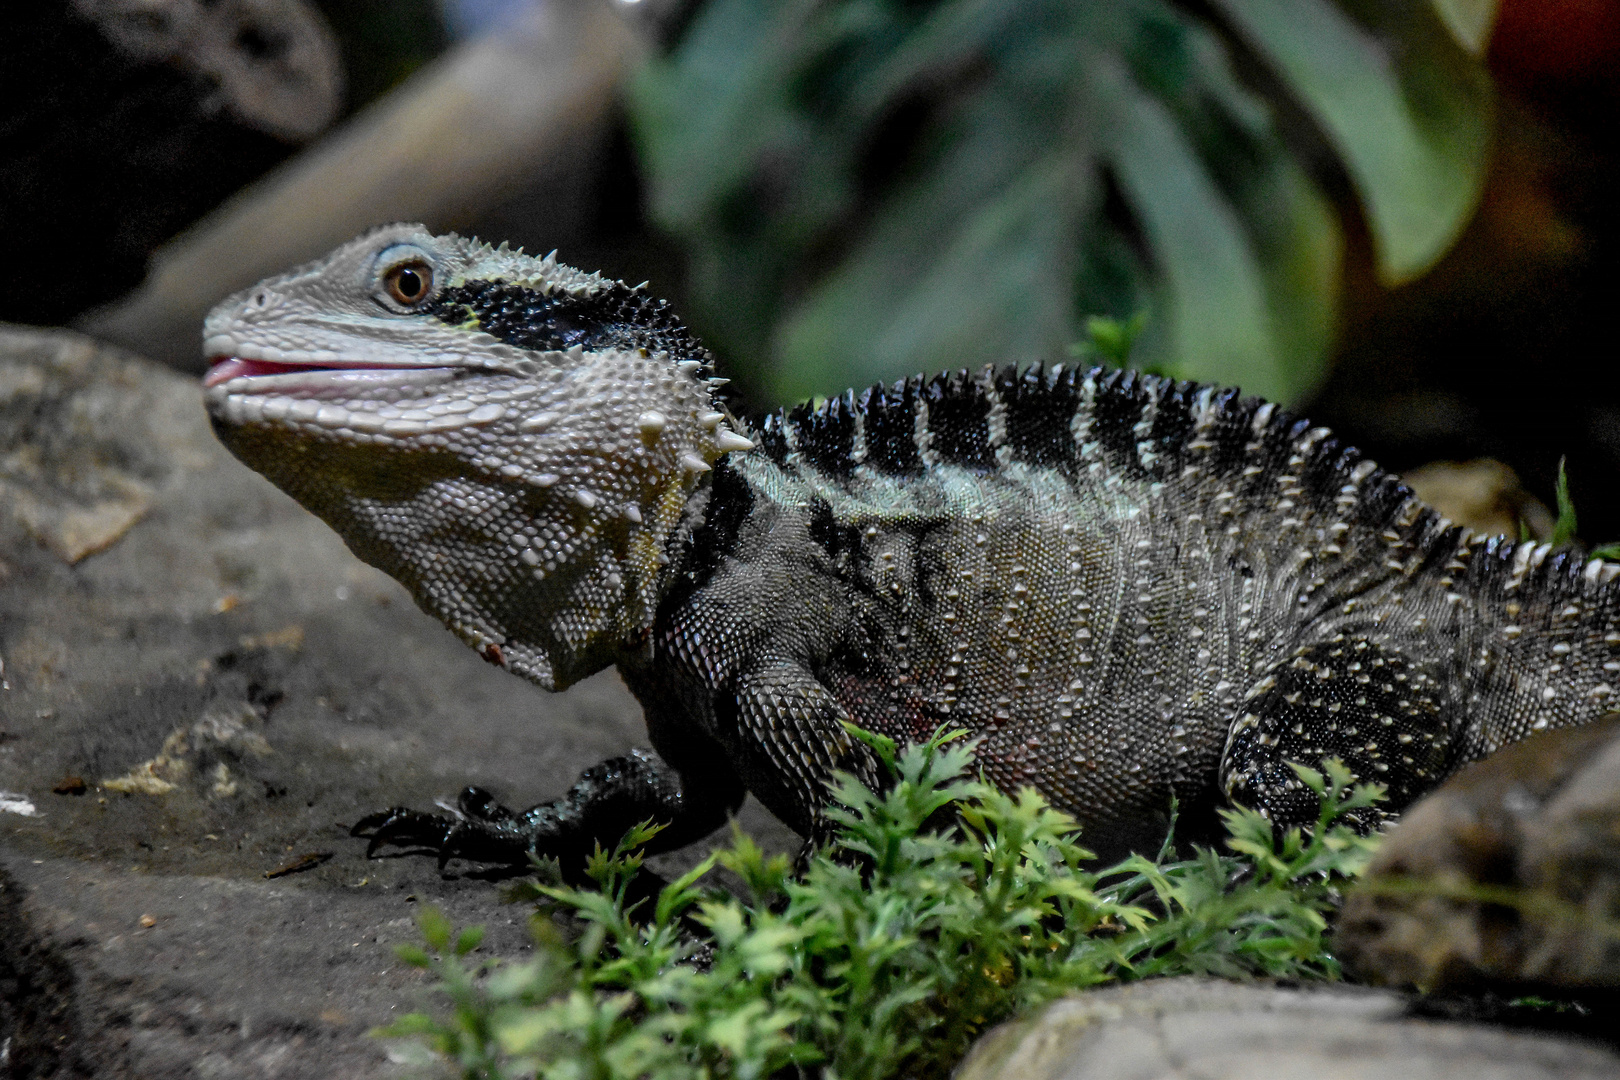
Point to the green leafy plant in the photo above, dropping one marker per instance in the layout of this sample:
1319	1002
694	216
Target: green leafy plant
893	949
870	188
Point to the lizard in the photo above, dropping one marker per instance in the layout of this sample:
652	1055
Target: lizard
1126	588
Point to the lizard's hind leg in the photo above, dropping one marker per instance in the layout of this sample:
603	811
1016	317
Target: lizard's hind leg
1347	698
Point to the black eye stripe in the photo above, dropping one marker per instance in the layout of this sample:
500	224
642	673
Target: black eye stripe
615	317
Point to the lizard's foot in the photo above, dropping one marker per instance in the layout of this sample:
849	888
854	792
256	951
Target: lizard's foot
479	829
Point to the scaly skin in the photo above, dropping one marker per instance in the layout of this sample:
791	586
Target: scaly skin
1125	587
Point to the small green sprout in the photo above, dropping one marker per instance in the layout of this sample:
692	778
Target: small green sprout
1565	527
1109	339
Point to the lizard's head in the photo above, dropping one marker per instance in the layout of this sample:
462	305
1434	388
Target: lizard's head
513	439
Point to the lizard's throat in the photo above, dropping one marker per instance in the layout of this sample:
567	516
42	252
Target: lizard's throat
536	579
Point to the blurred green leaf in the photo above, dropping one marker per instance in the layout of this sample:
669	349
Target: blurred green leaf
435	928
1469	21
1214	289
1403	104
867	188
469	940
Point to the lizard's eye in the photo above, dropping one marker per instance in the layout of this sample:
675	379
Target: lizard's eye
409	283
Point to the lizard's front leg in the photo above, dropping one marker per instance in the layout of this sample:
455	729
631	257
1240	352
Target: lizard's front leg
793	726
606	801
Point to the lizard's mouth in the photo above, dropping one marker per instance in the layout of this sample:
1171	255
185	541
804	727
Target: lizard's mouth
259	368
222	369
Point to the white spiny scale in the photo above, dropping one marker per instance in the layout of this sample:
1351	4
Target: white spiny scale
538	422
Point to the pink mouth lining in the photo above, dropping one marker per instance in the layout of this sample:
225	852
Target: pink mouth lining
225	368
230	367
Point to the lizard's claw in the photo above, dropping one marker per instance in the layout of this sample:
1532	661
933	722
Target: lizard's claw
406	828
478	829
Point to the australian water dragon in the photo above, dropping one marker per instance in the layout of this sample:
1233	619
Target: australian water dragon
1125	587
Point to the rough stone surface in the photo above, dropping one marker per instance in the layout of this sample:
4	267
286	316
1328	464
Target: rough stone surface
1508	876
273	63
252	689
1231	1031
1484	495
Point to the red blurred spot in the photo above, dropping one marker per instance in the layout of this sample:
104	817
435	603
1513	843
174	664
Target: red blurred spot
1537	40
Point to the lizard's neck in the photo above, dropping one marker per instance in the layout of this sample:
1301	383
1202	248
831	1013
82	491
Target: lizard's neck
532	521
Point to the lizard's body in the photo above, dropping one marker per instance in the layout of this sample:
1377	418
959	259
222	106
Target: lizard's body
1126	587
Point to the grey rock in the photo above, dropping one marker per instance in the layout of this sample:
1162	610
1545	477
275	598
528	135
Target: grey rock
275	63
1216	1030
490	120
248	688
1483	495
127	120
1508	876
